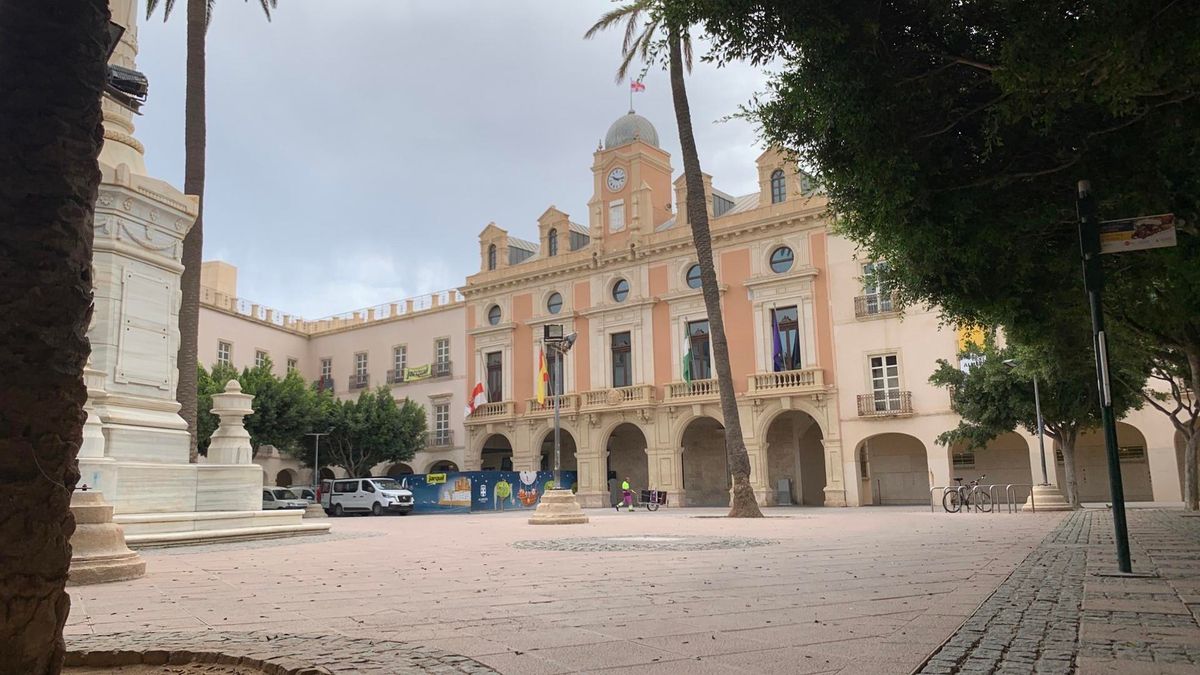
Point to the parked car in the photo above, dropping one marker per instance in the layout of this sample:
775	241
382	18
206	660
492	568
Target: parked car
365	495
306	493
282	498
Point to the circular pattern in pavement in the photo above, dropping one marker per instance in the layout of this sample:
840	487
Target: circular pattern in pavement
648	542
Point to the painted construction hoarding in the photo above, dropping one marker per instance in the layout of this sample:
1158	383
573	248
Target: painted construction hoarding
467	491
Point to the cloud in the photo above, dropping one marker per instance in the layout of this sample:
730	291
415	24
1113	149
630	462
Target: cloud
347	140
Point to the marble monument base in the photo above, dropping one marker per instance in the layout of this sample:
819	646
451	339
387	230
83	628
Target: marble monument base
1047	498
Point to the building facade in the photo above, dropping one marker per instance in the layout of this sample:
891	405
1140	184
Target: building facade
831	380
830	377
413	346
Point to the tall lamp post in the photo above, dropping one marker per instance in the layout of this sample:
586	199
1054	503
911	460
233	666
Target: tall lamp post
557	506
317	454
1041	424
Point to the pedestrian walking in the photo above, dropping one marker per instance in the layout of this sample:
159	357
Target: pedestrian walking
627	493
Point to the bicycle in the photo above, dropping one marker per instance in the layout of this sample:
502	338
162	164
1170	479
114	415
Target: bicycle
954	498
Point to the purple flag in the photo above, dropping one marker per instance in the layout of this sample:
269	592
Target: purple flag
776	345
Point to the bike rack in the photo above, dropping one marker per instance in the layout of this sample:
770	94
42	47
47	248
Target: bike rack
993	491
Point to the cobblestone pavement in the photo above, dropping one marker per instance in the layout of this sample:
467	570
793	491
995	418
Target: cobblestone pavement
1054	614
871	590
310	654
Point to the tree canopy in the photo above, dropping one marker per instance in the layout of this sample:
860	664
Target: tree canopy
370	430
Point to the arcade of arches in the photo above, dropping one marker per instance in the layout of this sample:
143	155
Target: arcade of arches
625	453
497	454
566	450
796	459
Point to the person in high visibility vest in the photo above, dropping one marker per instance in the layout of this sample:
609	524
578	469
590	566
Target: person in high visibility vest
627	493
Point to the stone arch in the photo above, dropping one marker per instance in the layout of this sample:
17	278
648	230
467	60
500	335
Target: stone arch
1004	460
399	470
625	451
496	453
763	424
795	451
1091	462
285	478
896	467
442	466
680	426
706	480
568	450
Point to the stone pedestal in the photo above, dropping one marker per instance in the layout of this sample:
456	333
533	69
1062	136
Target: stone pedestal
1047	498
314	510
98	550
558	507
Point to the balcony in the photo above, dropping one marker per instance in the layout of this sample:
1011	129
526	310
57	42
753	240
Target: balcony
619	397
893	403
875	304
802	381
569	405
395	376
324	384
442	369
441	438
694	391
360	381
493	412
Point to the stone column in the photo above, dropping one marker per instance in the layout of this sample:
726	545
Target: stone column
759	480
840	490
230	443
228	480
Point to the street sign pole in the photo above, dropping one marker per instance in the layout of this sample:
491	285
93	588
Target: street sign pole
1093	279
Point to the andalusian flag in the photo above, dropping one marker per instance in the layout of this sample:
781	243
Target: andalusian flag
687	359
543	377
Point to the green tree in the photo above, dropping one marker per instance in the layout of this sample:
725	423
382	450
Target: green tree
649	28
52	73
372	429
995	397
199	16
950	137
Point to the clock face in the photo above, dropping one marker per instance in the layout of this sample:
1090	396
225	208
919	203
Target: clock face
616	179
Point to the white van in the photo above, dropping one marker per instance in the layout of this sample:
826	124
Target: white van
371	495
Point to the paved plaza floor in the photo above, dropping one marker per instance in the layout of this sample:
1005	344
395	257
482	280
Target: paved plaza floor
867	590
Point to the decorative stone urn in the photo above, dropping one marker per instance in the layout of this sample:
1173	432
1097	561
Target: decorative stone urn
98	550
230	443
558	507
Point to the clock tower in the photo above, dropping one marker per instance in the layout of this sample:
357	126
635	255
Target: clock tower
632	183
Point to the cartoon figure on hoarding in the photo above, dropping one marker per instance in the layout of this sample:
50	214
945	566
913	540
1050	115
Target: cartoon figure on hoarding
503	492
528	492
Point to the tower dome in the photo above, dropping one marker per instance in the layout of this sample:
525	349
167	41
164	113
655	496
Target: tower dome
628	128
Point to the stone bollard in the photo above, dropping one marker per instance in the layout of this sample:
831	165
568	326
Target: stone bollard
230	443
98	550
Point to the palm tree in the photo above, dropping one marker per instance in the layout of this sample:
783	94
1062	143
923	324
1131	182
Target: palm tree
52	64
649	17
199	14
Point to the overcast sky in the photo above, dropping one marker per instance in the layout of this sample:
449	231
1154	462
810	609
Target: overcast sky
356	148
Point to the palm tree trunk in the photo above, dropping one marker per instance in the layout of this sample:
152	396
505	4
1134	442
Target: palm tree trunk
743	504
193	244
52	66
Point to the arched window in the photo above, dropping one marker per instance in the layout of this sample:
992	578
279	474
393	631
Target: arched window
494	315
693	276
552	242
492	257
778	187
554	303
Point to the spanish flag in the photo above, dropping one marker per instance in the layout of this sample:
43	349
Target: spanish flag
543	377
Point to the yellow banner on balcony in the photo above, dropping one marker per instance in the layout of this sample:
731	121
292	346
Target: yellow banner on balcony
418	373
968	335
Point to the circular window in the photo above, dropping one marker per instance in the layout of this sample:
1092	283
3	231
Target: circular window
494	315
693	276
781	259
620	290
554	303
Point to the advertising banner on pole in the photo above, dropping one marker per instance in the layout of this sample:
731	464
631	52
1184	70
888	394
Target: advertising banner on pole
1137	234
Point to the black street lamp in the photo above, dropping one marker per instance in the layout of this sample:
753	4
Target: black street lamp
557	343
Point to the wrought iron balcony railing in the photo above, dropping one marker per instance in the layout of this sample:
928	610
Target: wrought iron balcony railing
875	304
442	369
441	438
360	381
890	403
